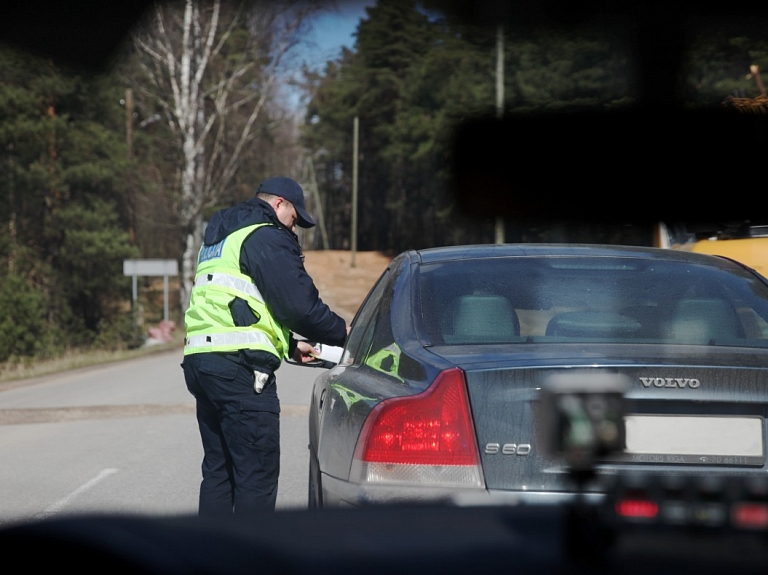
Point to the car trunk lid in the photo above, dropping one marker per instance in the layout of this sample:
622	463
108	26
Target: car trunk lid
686	418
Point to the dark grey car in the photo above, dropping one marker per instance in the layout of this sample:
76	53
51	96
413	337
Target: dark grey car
438	392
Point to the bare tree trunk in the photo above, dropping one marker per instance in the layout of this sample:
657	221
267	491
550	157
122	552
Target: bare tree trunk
213	97
193	241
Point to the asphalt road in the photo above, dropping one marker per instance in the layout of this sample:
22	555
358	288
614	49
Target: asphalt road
122	438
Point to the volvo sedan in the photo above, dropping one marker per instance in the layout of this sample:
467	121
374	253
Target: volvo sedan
443	392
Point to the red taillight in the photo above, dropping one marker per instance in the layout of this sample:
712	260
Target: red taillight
750	515
637	509
431	428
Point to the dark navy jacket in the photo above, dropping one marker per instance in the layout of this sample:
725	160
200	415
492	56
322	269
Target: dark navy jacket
271	255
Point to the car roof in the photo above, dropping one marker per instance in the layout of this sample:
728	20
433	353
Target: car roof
483	251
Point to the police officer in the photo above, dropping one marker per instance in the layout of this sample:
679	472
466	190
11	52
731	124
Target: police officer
250	292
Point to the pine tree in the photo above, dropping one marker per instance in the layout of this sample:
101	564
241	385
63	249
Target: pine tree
62	155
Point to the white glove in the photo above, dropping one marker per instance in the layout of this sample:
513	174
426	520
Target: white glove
260	381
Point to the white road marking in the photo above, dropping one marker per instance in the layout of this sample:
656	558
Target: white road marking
64	501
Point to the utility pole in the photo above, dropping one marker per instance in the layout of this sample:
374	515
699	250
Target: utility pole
129	121
310	164
500	109
129	145
353	240
12	252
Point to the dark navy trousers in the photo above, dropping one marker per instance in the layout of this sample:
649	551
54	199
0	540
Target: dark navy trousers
240	430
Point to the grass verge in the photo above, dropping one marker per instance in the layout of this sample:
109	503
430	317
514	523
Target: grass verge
14	372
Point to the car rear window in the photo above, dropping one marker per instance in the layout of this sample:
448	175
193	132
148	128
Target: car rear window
562	299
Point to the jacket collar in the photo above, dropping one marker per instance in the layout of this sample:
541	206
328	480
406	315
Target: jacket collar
270	213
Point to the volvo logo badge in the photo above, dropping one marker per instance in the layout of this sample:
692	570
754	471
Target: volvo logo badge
670	382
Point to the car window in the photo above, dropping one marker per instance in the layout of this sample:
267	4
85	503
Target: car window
363	325
550	300
383	354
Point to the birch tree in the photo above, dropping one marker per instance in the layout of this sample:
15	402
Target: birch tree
212	68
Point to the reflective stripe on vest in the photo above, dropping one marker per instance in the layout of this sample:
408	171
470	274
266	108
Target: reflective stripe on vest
231	338
229	281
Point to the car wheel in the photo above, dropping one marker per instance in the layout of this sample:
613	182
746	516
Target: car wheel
315	494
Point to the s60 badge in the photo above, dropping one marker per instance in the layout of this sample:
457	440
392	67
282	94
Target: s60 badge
508	448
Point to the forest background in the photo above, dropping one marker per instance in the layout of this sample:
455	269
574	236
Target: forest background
99	168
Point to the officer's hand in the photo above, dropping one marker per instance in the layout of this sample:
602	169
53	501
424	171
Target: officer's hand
303	352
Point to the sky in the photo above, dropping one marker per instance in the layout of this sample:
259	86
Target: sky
334	29
331	30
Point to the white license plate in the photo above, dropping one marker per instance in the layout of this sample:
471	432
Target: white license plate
702	440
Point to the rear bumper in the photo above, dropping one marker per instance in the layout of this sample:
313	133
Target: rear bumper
340	493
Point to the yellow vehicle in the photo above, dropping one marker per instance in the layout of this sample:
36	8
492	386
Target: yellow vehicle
745	243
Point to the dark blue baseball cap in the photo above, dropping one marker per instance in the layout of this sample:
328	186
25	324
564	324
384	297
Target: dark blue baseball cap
290	190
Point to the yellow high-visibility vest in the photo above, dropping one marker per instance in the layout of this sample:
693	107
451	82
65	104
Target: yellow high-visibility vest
218	281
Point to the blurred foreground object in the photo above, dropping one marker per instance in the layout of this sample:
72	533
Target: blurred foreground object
583	418
574	167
